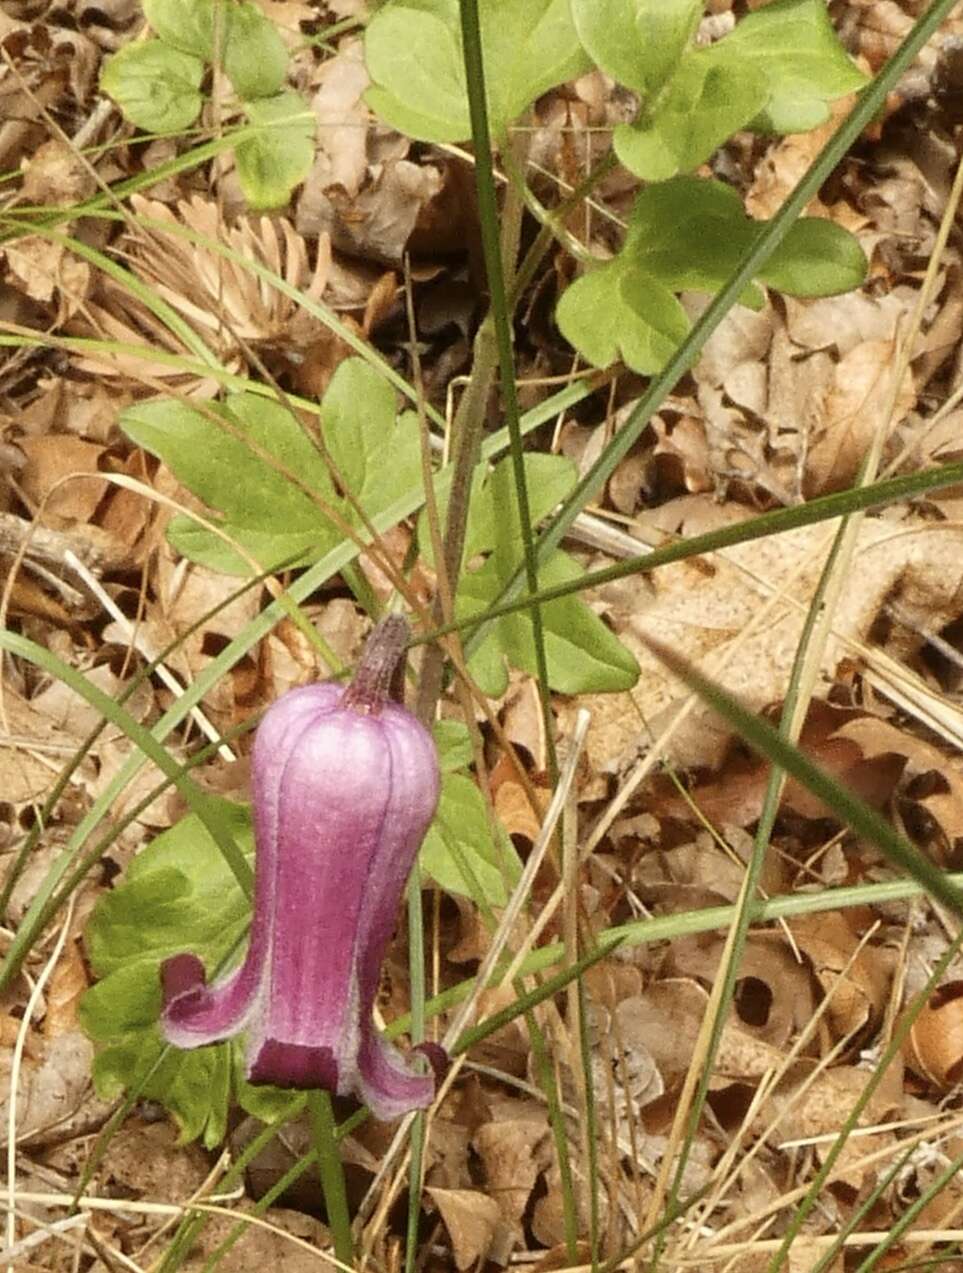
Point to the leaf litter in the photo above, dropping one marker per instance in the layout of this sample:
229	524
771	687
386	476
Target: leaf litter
780	408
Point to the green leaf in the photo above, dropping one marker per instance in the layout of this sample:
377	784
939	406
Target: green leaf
793	43
816	258
187	25
272	517
689	234
583	655
413	53
279	154
637	42
460	853
453	742
549	478
156	86
617	310
710	97
177	895
255	58
376	452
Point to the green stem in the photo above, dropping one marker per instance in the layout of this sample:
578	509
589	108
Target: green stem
331	1170
498	290
416	965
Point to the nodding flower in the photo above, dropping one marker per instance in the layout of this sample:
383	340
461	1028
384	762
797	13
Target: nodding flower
344	785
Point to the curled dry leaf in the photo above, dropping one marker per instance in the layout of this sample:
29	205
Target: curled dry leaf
855	979
44	270
511	1151
734	794
934	780
935	1044
361	190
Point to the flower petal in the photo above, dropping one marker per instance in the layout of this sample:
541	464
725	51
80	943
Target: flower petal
195	1013
386	1084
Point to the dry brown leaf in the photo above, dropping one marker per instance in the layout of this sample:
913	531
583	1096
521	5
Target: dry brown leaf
51	1092
474	1223
773	997
44	270
660	1026
48	475
68	983
786	162
700	607
935	1044
936	779
859	997
853	411
57	175
509	1153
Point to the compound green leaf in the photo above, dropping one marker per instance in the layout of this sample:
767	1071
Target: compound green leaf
375	451
582	654
265	477
278	154
269	516
156	86
688	234
637	42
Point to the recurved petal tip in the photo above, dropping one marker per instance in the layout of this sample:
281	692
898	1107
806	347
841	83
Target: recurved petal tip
181	975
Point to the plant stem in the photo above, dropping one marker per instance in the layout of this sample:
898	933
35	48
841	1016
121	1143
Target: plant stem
331	1170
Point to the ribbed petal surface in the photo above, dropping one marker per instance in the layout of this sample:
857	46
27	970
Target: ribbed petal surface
342	799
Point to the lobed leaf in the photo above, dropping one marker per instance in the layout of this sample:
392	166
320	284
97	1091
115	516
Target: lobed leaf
461	853
255	59
793	42
274	518
689	234
178	895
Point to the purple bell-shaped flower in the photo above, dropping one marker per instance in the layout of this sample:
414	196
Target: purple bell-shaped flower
344	785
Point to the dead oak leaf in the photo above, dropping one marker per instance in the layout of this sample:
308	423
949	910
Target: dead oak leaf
701	609
859	398
474	1223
